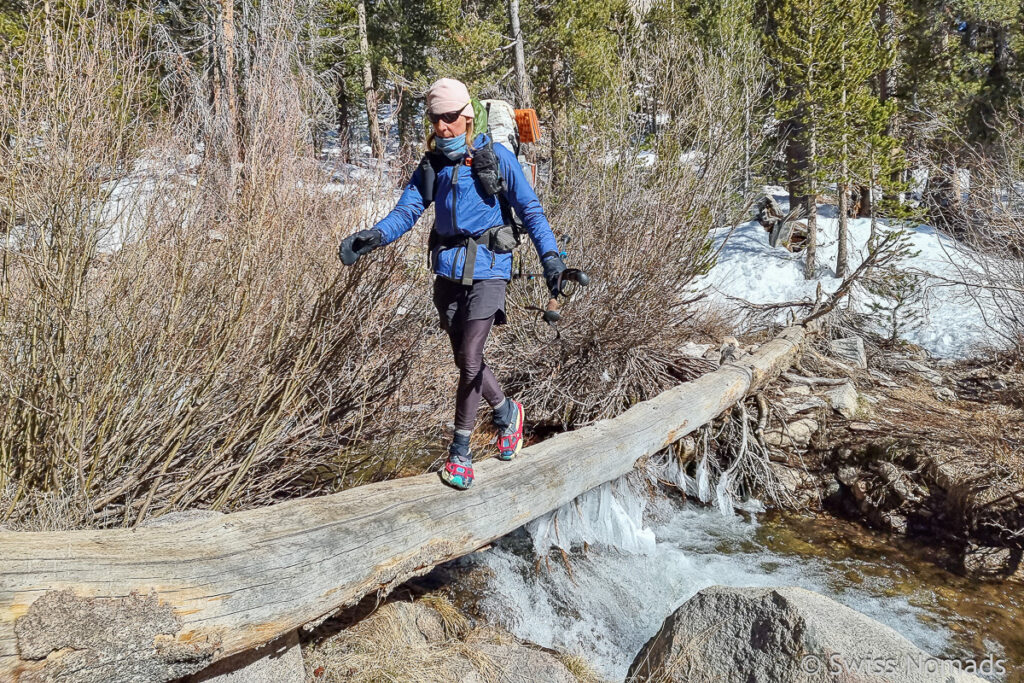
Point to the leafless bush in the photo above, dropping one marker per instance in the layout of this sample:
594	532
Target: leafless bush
641	232
987	215
220	357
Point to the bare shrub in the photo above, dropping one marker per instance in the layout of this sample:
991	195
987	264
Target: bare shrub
987	215
220	357
641	230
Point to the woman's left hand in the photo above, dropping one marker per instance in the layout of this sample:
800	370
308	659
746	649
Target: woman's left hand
553	267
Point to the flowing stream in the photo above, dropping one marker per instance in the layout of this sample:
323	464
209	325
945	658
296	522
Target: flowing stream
632	558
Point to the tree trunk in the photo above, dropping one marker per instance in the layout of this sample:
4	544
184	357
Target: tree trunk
245	70
887	77
841	253
230	120
559	127
49	58
746	144
796	164
524	95
182	595
344	114
866	200
811	246
842	256
376	143
871	206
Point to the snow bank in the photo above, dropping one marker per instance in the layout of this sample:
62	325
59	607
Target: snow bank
955	320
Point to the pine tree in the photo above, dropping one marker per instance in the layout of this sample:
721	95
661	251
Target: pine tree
854	119
806	48
573	49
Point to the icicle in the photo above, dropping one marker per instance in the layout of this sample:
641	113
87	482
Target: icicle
703	482
610	515
723	495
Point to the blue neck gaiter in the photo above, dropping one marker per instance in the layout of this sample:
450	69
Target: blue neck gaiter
453	148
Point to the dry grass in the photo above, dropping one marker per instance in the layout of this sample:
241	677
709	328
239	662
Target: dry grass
456	625
425	641
579	668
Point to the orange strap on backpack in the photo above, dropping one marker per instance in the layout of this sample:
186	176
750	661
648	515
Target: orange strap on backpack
529	127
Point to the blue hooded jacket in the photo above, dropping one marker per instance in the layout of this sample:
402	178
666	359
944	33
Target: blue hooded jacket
463	208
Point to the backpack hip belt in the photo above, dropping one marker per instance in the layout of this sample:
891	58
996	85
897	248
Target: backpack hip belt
499	239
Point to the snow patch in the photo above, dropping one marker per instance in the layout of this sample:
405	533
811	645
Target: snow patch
955	320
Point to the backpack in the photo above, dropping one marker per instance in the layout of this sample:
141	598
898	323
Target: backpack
501	124
511	127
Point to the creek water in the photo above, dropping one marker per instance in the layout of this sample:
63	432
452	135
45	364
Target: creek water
633	558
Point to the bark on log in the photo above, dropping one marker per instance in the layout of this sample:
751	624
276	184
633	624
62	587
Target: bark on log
161	602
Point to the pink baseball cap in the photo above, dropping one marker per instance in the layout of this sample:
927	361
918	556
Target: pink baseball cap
448	94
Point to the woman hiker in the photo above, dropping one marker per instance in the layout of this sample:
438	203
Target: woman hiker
472	265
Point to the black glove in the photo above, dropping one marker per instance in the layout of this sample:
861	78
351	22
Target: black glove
359	244
553	267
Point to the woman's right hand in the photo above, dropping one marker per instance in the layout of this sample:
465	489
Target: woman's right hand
359	244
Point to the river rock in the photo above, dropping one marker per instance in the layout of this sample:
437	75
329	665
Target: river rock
796	434
897	480
848	476
797	483
767	635
991	563
894	522
692	350
850	349
812	403
730	351
843	400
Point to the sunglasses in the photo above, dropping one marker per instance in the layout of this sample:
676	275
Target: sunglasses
447	117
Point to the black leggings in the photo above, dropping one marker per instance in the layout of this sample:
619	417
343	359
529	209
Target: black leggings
475	378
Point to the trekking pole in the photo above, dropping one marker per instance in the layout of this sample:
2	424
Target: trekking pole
552	313
566	286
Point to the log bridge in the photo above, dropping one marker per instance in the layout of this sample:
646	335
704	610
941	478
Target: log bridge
159	603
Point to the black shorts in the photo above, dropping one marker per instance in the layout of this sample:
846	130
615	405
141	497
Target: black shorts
456	302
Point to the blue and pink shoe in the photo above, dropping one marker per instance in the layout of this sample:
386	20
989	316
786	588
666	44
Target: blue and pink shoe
458	471
510	430
457	476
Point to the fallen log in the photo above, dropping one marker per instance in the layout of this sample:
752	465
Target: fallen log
158	603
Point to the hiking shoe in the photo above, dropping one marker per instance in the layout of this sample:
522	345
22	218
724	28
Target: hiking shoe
458	471
510	430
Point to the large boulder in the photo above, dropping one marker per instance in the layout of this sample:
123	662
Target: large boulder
766	635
